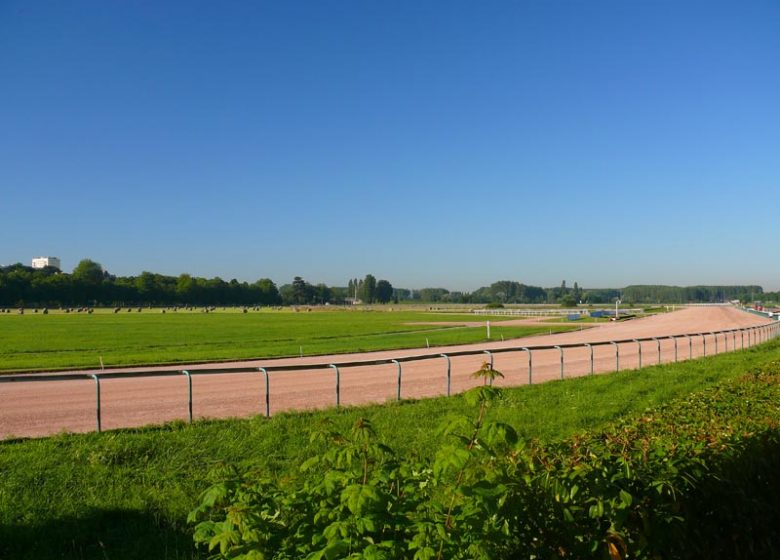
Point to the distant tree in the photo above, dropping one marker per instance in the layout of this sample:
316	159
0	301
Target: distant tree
368	289
300	291
321	294
299	284
266	292
401	294
432	295
286	293
185	289
87	279
146	285
568	301
384	291
88	272
339	294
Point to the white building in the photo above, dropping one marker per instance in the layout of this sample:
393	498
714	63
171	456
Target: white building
43	262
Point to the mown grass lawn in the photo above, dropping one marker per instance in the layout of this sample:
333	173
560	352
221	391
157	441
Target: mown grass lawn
126	494
34	342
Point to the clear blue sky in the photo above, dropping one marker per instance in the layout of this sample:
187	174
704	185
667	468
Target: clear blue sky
447	143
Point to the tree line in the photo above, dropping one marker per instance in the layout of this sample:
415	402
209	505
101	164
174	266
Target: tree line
90	285
694	294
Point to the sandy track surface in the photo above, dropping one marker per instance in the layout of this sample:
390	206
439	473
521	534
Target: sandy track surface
44	408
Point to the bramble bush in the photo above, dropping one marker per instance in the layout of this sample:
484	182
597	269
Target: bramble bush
691	479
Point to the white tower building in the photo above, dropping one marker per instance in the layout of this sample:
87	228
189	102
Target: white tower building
43	262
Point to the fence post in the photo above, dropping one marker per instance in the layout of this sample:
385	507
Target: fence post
449	373
267	392
590	347
97	401
398	390
561	351
530	366
690	346
658	343
639	345
189	394
617	355
725	341
490	354
742	336
704	344
338	385
674	338
715	336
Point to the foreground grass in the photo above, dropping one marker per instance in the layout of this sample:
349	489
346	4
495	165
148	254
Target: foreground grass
58	341
126	494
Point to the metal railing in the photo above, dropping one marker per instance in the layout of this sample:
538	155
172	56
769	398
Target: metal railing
755	335
547	312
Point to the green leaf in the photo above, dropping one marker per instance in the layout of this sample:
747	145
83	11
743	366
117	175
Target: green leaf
309	463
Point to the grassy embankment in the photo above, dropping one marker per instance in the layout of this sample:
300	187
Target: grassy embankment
126	494
33	342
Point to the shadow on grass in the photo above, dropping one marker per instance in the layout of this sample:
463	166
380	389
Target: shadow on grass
101	534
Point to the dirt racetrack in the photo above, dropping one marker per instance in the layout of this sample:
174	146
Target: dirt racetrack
44	408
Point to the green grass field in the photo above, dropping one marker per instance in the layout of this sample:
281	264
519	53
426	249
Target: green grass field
33	342
126	494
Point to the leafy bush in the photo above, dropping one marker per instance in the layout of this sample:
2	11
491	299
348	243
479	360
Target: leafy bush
686	480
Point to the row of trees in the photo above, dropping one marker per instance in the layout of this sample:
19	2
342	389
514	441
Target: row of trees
371	290
698	294
89	284
508	291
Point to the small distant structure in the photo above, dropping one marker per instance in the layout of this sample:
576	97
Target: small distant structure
43	262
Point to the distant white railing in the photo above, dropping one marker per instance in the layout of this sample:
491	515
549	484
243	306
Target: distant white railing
549	312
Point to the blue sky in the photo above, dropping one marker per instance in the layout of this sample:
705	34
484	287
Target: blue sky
429	143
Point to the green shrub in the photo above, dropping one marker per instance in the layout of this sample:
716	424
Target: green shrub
686	480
